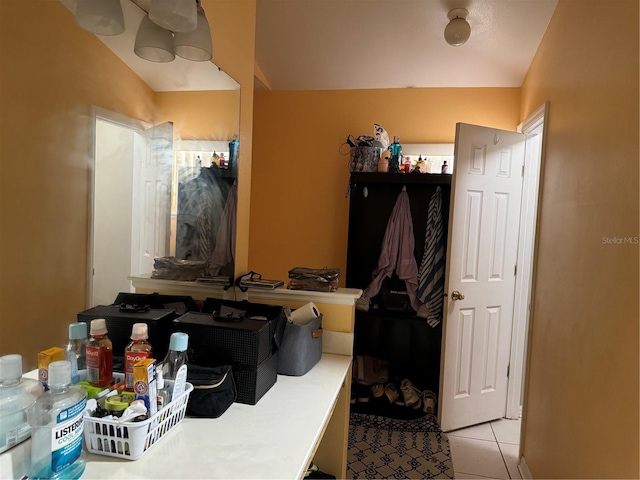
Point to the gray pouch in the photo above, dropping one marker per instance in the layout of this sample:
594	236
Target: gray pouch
301	347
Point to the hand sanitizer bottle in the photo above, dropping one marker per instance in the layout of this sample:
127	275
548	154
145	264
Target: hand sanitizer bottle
57	427
17	394
174	365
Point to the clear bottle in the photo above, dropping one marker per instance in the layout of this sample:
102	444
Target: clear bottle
57	427
17	394
77	349
99	355
138	349
174	365
163	394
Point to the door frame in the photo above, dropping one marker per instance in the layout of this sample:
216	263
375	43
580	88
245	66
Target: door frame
526	258
137	126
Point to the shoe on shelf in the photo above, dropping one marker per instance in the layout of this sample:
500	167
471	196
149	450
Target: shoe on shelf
377	390
392	392
429	401
411	395
362	392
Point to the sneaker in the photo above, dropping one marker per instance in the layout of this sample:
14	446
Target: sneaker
392	393
410	394
429	401
377	390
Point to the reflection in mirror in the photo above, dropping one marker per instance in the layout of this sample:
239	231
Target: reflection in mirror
156	193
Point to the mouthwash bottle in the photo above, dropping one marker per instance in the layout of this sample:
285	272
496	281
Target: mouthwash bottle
138	349
77	349
17	394
57	427
396	154
99	355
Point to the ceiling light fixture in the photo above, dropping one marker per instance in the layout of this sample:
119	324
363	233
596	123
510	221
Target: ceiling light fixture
170	28
177	16
196	45
153	43
458	31
102	18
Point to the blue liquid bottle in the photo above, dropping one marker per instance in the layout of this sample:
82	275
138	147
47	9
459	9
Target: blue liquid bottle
57	427
396	154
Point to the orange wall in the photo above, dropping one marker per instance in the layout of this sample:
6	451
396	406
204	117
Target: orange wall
581	410
299	214
48	81
211	115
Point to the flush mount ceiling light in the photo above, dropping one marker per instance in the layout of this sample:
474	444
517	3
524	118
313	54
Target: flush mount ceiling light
102	18
458	31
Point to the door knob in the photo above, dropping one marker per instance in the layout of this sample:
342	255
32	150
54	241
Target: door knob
456	295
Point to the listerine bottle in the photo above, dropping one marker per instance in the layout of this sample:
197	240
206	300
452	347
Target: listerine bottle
396	154
57	427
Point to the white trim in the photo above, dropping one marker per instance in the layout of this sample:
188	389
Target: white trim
523	468
533	127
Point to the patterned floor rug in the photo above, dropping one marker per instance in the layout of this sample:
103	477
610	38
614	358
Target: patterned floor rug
381	448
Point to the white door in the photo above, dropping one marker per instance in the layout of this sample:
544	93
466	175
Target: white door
481	259
151	218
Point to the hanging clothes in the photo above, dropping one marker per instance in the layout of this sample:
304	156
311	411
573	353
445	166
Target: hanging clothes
200	205
397	253
431	276
223	255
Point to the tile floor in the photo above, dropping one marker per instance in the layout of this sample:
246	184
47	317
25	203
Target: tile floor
489	450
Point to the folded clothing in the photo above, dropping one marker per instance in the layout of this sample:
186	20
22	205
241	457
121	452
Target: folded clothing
318	279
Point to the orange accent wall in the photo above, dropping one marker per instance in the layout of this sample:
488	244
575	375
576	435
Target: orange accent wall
299	214
581	410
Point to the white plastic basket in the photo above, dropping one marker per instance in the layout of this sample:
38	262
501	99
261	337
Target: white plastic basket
130	440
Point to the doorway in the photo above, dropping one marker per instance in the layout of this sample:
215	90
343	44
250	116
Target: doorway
483	344
130	201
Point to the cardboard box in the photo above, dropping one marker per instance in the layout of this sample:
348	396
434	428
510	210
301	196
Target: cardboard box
144	384
45	357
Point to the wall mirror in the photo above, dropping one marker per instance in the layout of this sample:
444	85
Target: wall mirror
163	185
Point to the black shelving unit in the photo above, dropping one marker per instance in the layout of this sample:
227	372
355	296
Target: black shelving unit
390	330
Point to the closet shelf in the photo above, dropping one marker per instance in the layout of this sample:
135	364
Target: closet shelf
403	178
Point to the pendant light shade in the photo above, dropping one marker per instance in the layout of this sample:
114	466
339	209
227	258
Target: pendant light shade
102	17
153	43
175	15
458	31
195	45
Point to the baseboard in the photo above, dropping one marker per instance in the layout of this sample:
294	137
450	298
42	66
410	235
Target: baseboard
523	468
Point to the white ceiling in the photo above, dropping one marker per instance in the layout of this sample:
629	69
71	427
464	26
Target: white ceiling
360	44
178	75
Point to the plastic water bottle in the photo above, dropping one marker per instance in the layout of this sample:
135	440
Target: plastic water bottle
99	355
77	349
174	365
17	395
57	427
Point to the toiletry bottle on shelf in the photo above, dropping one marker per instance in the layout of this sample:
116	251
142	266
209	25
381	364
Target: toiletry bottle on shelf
396	154
383	165
77	350
215	159
57	427
17	394
445	167
99	355
407	165
138	349
233	151
223	161
174	365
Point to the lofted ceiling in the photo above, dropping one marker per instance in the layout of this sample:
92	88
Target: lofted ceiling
362	44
